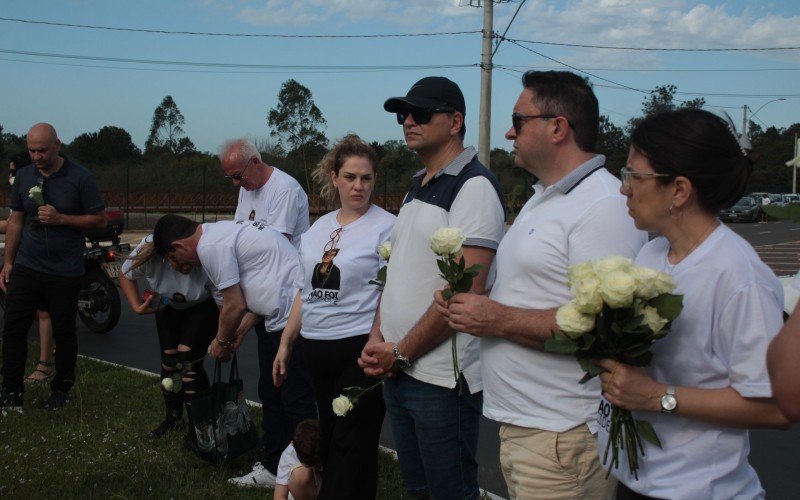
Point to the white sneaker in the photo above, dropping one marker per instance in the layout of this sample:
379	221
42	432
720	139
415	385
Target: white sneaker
259	477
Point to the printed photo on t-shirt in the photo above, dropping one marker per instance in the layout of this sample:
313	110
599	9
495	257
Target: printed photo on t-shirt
326	274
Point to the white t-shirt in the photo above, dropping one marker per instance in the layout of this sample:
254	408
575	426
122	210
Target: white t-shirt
281	203
340	302
286	465
257	258
732	308
582	217
181	290
461	195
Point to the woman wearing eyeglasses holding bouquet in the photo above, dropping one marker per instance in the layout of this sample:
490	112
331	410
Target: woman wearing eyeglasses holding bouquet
708	381
338	302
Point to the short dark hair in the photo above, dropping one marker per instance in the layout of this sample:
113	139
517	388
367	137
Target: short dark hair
171	228
306	440
20	160
700	146
566	94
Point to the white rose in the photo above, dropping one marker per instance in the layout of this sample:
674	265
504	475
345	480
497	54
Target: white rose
651	318
11	179
572	322
385	250
34	191
611	264
617	289
587	295
167	384
447	241
664	283
580	271
342	405
646	279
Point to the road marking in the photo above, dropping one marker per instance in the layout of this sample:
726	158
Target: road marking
765	232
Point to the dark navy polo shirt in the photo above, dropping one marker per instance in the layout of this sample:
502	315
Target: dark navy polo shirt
56	250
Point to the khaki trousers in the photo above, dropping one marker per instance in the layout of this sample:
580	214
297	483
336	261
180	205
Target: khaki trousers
544	465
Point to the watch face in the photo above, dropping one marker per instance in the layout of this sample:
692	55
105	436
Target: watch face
668	402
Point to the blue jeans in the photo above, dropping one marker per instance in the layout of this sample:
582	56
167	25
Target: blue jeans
436	434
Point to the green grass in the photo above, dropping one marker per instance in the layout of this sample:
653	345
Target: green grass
96	446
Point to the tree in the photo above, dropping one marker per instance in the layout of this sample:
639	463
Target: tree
166	130
109	144
662	98
298	122
613	143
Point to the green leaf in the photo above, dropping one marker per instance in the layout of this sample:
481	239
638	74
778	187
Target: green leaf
669	305
473	269
560	344
647	432
442	267
464	284
447	294
591	369
381	275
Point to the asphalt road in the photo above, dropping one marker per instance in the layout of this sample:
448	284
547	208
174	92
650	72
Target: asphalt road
774	454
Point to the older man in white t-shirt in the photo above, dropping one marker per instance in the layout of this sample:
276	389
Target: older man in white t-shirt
576	214
273	197
258	274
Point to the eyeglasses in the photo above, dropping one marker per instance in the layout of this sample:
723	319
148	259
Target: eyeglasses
626	174
421	115
335	235
238	176
517	120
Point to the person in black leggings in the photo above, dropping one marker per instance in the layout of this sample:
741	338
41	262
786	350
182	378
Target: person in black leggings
186	320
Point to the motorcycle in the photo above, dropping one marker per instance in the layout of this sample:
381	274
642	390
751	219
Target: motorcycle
98	300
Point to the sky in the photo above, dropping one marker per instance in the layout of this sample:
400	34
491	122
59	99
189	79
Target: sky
82	79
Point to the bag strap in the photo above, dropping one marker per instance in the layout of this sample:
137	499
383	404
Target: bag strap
234	373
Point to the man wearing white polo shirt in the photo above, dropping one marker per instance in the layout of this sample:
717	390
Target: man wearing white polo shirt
434	416
547	447
271	196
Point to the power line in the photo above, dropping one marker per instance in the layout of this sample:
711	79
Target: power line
674	70
654	49
232	65
241	35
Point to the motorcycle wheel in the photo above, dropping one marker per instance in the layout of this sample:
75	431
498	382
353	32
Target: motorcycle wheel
101	294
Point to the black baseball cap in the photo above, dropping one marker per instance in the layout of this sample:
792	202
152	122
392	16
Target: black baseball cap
430	92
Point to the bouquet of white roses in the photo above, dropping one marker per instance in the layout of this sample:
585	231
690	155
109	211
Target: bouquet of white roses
35	194
619	310
446	244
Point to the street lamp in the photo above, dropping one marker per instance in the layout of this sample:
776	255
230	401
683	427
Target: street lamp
745	123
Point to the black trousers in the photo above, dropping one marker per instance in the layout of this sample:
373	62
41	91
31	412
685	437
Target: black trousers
350	443
29	290
194	327
286	406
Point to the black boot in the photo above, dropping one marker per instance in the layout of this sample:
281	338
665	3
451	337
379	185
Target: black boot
174	418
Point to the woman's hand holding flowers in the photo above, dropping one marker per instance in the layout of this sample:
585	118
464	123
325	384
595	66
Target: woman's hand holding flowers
630	387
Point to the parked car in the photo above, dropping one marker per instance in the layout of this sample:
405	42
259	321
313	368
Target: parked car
745	210
792	198
759	197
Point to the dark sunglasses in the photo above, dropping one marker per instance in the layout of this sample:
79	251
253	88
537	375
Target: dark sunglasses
517	120
238	176
421	116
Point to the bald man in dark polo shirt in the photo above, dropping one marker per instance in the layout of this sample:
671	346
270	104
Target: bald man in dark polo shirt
43	262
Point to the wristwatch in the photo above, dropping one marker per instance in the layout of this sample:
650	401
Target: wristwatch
669	403
400	361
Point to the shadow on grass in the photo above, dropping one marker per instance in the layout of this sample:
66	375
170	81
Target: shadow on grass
96	446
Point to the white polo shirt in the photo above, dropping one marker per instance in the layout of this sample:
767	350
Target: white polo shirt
582	217
465	195
182	290
257	258
732	309
343	305
281	203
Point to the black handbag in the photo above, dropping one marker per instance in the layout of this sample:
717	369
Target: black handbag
221	419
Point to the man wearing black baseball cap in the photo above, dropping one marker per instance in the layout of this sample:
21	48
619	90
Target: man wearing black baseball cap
434	408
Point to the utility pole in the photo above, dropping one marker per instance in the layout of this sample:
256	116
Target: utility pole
744	121
485	118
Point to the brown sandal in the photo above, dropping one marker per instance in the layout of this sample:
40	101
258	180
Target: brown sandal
44	372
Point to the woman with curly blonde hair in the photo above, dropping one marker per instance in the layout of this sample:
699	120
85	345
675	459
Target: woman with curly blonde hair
337	304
